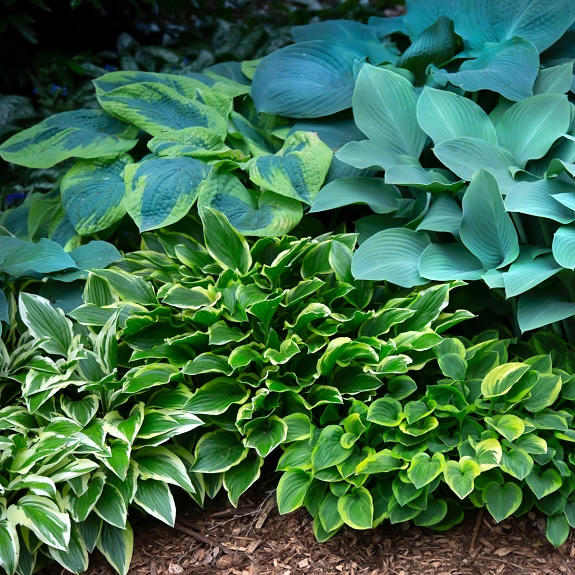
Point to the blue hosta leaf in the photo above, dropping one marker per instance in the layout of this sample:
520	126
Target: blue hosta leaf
161	191
444	215
76	134
536	199
564	246
436	45
529	128
305	80
554	80
250	212
538	308
486	228
416	176
297	170
444	115
384	108
423	13
20	258
508	68
155	108
387	26
526	272
465	156
92	193
373	154
391	255
538	21
446	262
380	197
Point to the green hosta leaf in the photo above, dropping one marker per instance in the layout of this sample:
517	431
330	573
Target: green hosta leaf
502	500
486	228
155	498
380	197
161	191
509	68
9	547
465	156
216	396
42	516
265	434
384	108
117	545
224	243
424	469
385	411
544	393
391	255
93	193
435	513
517	463
75	134
328	451
156	108
526	273
75	559
460	476
291	490
557	530
305	80
529	128
544	484
129	287
299	427
445	262
380	462
162	465
208	363
250	212
502	378
510	426
297	171
564	246
218	451
356	508
46	322
497	20
189	298
243	475
539	308
444	115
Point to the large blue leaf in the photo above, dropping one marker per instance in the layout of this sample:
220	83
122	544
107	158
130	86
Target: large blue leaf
305	80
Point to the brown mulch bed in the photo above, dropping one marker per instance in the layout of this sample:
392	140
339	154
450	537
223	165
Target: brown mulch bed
255	540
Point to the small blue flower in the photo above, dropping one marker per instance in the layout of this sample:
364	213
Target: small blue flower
110	68
16	198
35	91
55	88
185	60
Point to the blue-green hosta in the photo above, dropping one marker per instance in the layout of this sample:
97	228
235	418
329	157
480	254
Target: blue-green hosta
190	361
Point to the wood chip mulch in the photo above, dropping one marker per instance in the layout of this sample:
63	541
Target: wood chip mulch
255	540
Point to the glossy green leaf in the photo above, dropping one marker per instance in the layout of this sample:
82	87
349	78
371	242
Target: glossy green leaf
9	547
117	546
423	468
216	396
155	498
356	508
218	451
291	490
545	483
328	450
502	378
162	465
460	476
239	478
385	411
265	434
502	500
557	530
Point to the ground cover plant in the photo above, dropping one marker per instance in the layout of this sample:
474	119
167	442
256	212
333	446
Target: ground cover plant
229	341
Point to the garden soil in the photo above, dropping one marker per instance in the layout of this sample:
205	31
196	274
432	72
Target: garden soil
255	540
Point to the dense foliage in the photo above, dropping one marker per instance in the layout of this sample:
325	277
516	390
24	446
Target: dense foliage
234	333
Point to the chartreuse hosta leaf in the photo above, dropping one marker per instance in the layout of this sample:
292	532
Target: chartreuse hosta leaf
93	192
75	134
460	475
161	191
502	378
509	426
356	508
297	171
251	212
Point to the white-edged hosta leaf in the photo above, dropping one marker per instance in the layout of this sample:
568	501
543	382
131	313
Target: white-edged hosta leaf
75	559
446	262
92	193
384	108
564	246
42	516
9	547
161	464
81	410
161	191
37	484
486	228
529	128
75	134
444	115
537	199
509	68
46	323
129	287
526	273
391	255
155	108
251	212
305	80
155	498
241	476
218	451
117	545
264	434
465	156
540	307
374	192
297	171
216	396
111	506
538	21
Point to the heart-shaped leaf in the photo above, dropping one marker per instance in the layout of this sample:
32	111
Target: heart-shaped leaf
460	476
544	484
502	499
424	468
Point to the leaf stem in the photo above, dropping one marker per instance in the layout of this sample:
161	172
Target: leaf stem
519	227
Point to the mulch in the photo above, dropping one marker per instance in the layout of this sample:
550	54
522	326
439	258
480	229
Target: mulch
255	540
